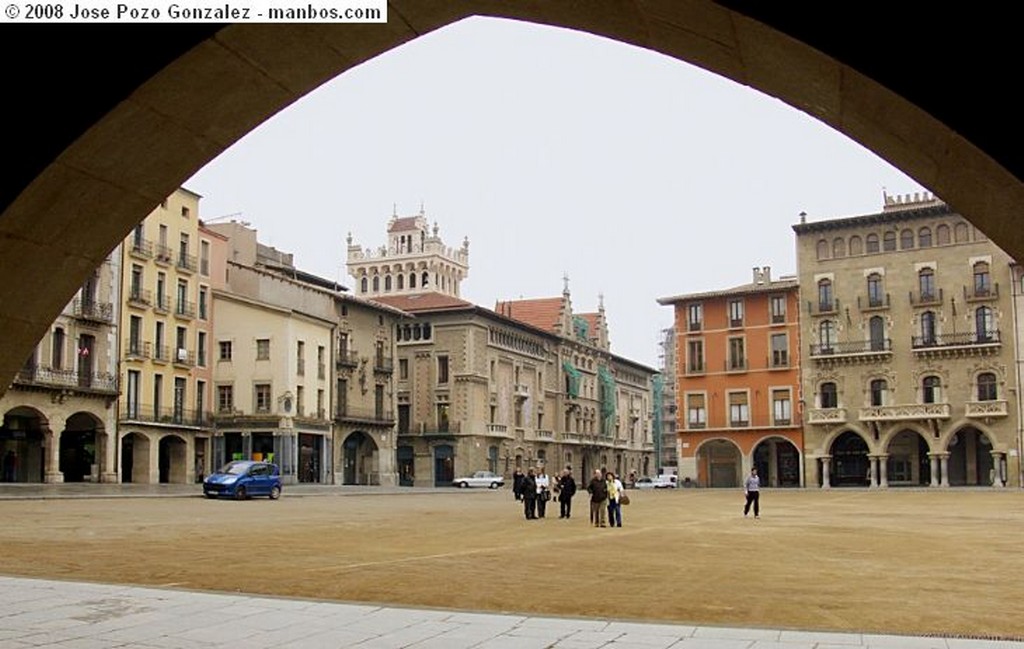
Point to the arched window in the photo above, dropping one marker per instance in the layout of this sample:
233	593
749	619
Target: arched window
376	283
924	237
942	235
425	279
363	284
872	243
57	351
926	284
876	327
906	239
889	241
827	335
931	390
387	282
984	325
416	332
878	390
401	281
412	280
828	395
960	233
987	387
822	249
928	328
839	247
825	298
856	245
982	279
876	297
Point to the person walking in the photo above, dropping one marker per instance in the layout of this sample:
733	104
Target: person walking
528	491
517	483
598	489
566	490
615	490
543	491
752	490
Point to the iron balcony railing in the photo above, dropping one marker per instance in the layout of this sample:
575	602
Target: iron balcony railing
187	262
164	254
136	349
149	413
353	413
383	364
161	353
852	347
347	358
162	303
873	302
965	339
821	307
920	298
141	296
92	310
184	357
49	377
185	309
141	248
976	292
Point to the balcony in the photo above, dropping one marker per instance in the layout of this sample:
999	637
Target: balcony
852	351
521	390
873	302
904	412
497	429
826	415
141	249
384	364
970	342
162	304
300	367
572	437
321	371
92	311
545	435
984	409
187	263
353	414
185	309
167	415
139	297
184	358
982	293
163	255
136	350
926	298
100	382
823	307
347	358
161	353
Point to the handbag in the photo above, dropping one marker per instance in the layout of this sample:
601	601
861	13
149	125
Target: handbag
624	499
545	495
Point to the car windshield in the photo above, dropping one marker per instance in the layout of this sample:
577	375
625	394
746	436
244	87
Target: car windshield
234	468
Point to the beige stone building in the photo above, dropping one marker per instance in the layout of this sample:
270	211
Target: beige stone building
908	373
304	370
530	382
60	414
170	267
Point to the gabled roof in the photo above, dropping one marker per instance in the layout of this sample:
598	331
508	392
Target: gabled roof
592	320
403	224
543	313
742	289
423	302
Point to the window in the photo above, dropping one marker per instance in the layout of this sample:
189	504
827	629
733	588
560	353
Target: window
376	283
987	387
928	328
136	283
320	404
201	349
983	325
782	407
300	401
982	279
839	247
924	237
442	418
182	302
225	398
780	350
321	365
871	243
777	305
942	234
889	241
878	389
856	245
262	397
57	349
362	285
158	393
300	358
694	356
696	412
825	297
828	395
204	258
926	283
735	313
203	303
875	296
876	328
160	341
387	282
931	390
412	280
424	279
737	355
400	281
225	350
263	349
822	249
827	335
739	409
906	239
201	415
184	212
695	317
960	233
341	398
442	369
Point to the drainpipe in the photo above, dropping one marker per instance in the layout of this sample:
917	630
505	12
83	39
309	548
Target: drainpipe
1014	292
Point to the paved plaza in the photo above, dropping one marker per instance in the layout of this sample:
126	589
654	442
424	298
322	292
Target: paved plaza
74	615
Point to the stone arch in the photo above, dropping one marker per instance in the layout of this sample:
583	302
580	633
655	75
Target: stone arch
82	448
719	463
909	456
24	437
850	463
778	461
360	459
172	459
135	454
970	461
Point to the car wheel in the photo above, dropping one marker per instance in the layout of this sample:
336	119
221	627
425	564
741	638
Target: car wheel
494	485
463	485
275	492
211	496
240	493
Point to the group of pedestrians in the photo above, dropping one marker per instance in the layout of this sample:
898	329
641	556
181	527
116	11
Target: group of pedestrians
535	490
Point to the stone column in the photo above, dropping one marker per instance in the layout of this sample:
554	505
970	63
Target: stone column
883	471
933	460
826	479
944	463
51	468
997	469
872	471
154	461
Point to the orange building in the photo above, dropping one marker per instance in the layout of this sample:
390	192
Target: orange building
738	383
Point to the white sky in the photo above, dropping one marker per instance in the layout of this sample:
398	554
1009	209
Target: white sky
554	152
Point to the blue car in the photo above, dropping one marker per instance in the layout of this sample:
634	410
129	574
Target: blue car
243	479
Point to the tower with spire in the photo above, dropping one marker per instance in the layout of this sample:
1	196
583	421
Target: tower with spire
414	260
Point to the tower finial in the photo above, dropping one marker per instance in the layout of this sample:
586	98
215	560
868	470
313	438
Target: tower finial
565	284
394	210
349	238
600	302
422	210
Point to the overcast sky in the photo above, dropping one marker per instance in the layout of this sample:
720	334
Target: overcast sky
555	152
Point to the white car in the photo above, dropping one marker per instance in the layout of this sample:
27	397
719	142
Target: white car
480	479
661	482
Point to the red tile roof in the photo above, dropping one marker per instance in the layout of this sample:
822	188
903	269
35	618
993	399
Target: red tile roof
402	224
423	302
543	313
592	320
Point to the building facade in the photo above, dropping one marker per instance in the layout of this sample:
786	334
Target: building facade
909	373
60	415
737	383
666	426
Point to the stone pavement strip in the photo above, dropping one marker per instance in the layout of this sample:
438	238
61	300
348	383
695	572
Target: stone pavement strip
74	615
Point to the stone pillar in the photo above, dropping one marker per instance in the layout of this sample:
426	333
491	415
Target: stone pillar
944	463
883	471
51	468
933	460
872	471
154	461
826	479
997	469
109	468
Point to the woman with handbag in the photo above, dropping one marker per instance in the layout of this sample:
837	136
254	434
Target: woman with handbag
543	491
615	491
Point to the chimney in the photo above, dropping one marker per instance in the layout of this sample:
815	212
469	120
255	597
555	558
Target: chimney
766	273
757	275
